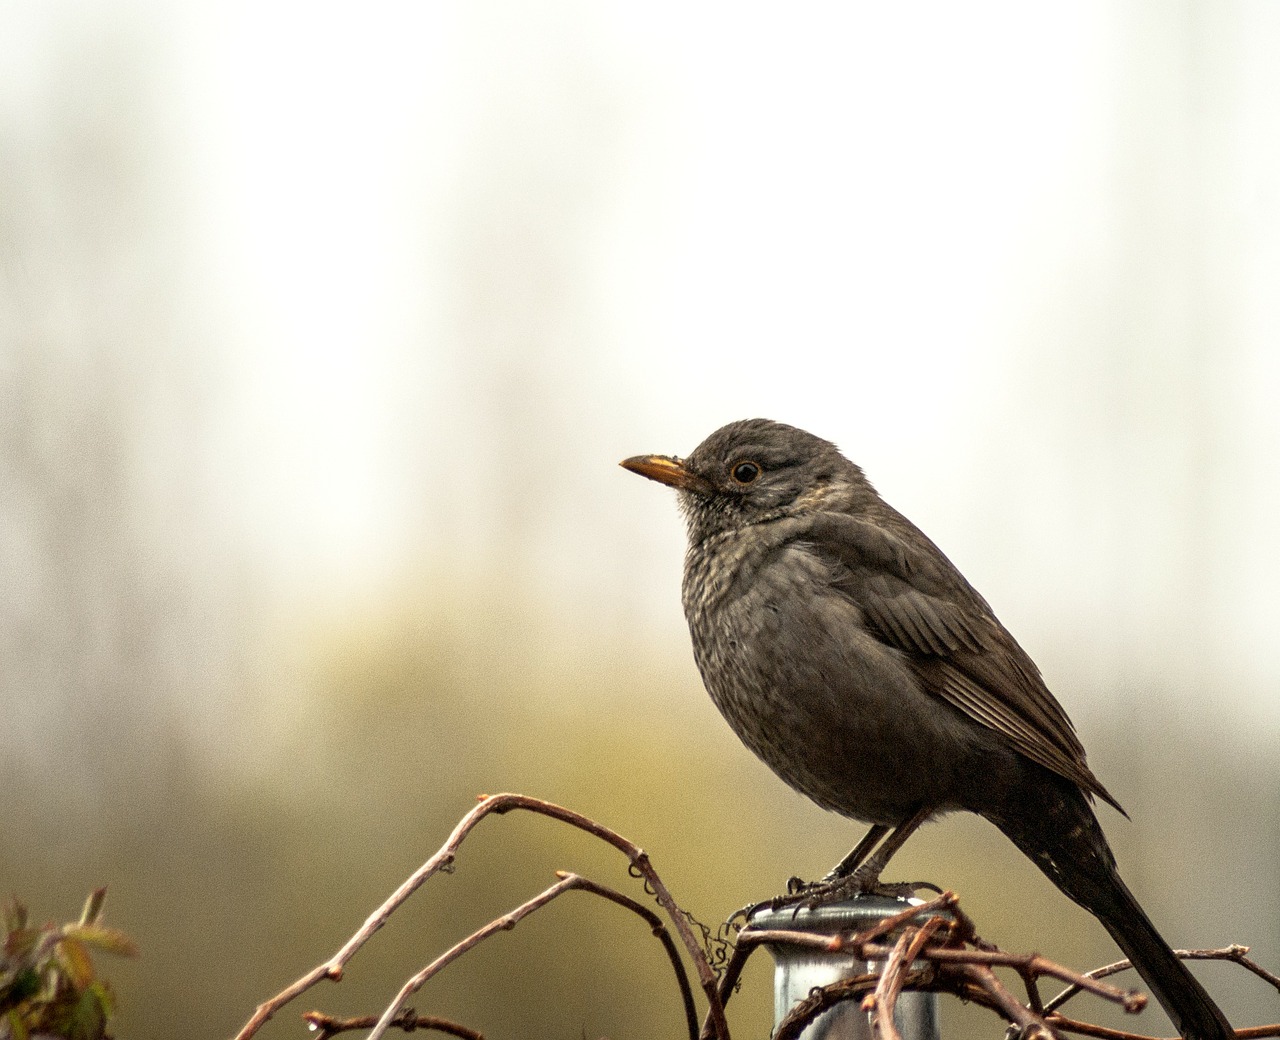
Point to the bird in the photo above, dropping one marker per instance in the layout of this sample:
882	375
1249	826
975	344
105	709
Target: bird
850	655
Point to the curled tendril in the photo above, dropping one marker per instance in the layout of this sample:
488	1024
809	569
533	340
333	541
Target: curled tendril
635	871
715	947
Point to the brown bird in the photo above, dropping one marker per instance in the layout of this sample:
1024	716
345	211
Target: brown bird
851	655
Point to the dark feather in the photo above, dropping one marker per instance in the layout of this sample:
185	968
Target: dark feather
918	603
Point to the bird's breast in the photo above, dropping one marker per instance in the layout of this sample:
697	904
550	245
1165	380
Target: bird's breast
791	664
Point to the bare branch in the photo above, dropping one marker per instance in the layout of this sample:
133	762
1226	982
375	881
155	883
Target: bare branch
567	882
805	1011
945	902
1235	953
937	949
326	1026
504	923
443	860
1033	964
1070	1025
729	981
887	1002
1030	1024
668	944
885	998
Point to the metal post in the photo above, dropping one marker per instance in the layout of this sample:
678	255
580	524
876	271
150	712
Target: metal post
799	970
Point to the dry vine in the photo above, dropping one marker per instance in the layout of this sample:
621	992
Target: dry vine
326	1026
938	950
932	946
443	861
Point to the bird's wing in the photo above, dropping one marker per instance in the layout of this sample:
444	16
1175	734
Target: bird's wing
915	600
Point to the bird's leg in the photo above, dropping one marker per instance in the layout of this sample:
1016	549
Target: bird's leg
865	877
859	872
845	867
858	853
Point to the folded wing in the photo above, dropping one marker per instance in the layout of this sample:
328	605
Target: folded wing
918	603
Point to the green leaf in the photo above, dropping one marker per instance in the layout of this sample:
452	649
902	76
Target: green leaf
17	1027
88	1020
47	980
76	962
93	906
112	940
106	997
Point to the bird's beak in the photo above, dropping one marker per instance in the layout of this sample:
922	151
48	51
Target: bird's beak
666	470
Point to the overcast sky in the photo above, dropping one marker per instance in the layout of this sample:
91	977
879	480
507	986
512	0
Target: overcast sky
444	264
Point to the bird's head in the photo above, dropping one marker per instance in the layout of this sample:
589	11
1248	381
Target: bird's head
754	470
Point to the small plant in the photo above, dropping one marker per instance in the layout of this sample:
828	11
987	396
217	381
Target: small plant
48	987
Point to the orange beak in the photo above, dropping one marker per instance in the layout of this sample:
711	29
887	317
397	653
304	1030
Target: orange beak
666	470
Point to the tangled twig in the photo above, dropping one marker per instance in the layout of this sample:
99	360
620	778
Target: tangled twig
1234	953
936	949
326	1026
931	946
443	861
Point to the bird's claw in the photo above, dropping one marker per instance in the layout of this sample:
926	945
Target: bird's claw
810	895
797	886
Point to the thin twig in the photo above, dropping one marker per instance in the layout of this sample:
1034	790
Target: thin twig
941	903
803	1012
661	932
443	860
326	1026
1071	1025
1131	1000
1235	953
1030	1024
882	1001
640	863
567	882
835	943
500	924
729	981
333	967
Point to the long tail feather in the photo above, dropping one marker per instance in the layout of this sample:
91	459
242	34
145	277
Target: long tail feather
1066	842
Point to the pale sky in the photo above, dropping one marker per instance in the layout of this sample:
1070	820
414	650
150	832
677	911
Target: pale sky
1018	260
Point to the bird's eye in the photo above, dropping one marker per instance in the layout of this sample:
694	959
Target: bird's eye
745	472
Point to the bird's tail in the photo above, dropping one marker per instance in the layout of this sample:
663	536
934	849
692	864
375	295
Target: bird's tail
1193	1011
1068	845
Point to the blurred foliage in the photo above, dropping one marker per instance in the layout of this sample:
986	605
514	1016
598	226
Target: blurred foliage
48	985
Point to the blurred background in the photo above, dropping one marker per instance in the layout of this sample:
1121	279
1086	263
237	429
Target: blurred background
323	329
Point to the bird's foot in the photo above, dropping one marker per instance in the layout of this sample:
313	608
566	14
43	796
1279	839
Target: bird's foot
798	891
809	895
832	889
